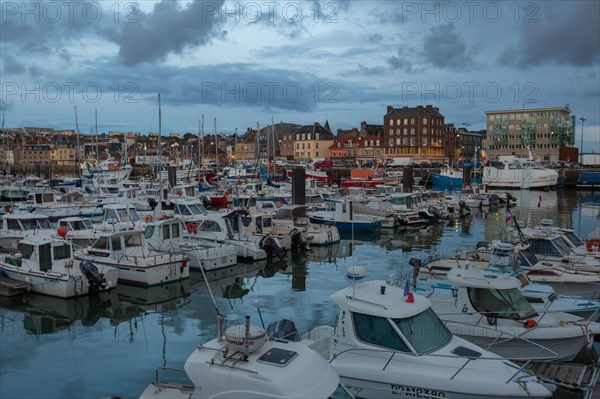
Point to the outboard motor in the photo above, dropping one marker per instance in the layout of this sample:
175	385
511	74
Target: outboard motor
152	203
462	205
435	212
494	200
283	329
482	244
95	279
206	201
297	240
272	246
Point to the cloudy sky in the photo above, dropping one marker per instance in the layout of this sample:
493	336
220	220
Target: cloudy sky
243	63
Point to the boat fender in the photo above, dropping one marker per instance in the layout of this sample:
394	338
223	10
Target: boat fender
492	318
530	323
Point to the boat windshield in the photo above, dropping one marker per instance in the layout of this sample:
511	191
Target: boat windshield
33	224
574	239
424	331
527	258
505	304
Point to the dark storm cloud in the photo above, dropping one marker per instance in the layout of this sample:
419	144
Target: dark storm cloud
444	48
564	35
228	85
10	66
168	29
141	36
407	60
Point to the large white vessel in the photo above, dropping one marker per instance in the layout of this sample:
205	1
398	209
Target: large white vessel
518	172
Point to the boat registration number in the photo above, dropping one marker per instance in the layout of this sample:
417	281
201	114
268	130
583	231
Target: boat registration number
412	392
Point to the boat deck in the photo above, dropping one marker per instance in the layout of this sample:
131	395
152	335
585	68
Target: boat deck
10	287
576	377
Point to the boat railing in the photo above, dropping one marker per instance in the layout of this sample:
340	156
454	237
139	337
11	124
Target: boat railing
157	381
504	336
393	353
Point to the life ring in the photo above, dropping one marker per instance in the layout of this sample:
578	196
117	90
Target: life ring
148	218
593	244
179	193
191	228
8	209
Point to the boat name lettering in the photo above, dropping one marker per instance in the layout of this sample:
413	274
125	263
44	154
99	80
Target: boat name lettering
412	392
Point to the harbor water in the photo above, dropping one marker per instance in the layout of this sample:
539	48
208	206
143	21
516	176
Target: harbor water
110	344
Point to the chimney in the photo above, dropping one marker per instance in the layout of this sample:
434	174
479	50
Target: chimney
389	109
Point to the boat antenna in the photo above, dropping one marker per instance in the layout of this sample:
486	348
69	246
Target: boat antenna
220	316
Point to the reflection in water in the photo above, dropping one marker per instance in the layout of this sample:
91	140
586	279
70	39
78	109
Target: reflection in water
131	330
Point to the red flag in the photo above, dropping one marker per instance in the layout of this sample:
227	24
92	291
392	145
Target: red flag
539	201
508	217
410	298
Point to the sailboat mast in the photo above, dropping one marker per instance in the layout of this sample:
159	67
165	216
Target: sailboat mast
199	154
77	155
202	159
4	146
159	134
274	142
216	150
96	117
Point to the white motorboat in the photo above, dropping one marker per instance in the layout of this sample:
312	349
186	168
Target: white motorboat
295	216
120	216
553	249
518	172
172	236
17	226
515	258
245	363
137	263
46	203
389	344
79	230
488	309
227	228
47	265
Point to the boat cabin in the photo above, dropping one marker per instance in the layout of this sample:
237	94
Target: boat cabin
492	294
187	207
75	224
183	190
44	254
25	222
117	245
375	314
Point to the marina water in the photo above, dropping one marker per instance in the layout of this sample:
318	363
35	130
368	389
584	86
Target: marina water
110	344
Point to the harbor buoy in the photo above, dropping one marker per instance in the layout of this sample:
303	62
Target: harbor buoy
62	231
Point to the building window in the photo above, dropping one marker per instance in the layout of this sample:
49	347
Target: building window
398	141
398	122
424	130
316	136
405	131
391	132
391	122
316	146
405	121
412	131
